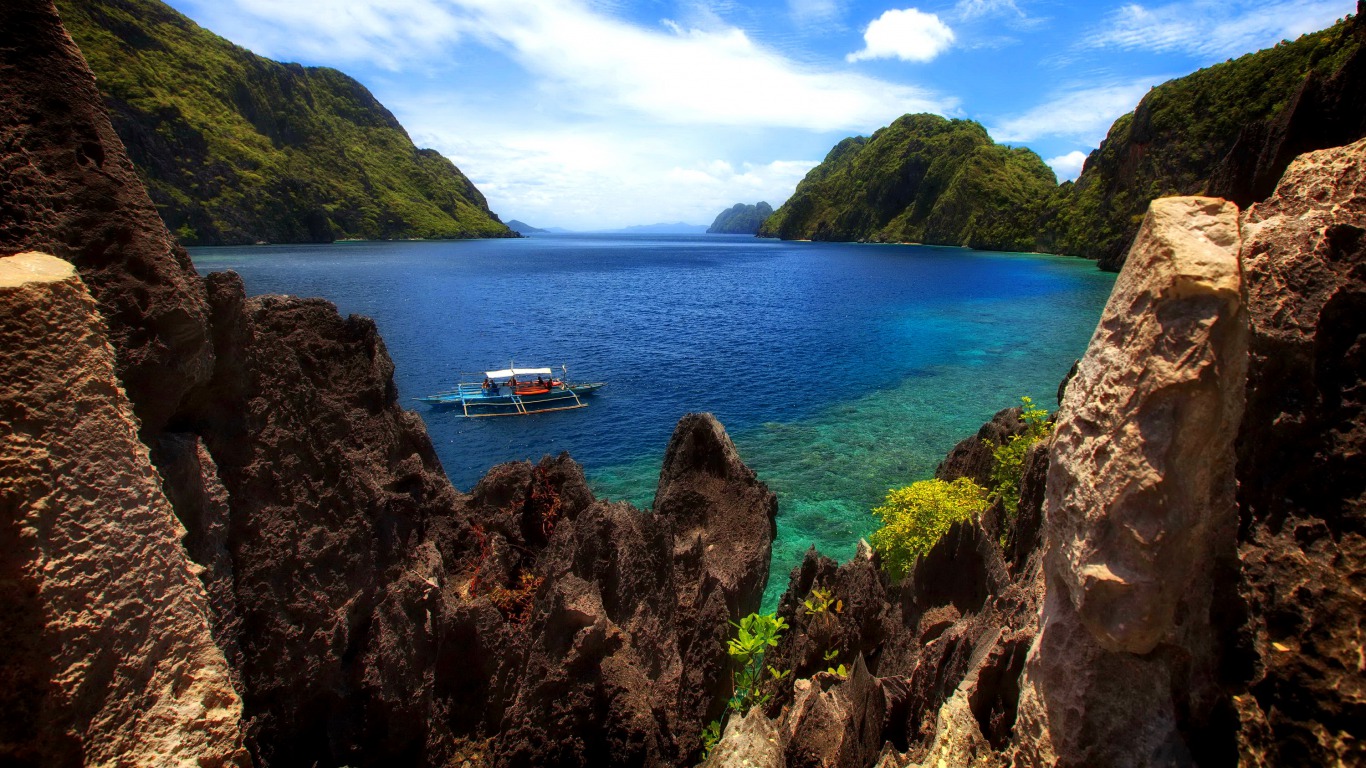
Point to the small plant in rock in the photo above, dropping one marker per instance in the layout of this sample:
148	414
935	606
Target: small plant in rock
830	656
913	518
754	635
1008	458
821	605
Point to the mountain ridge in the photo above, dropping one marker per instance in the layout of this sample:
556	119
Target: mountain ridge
235	148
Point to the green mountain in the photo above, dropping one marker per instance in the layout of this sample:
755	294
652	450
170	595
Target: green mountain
236	148
740	219
1201	133
1228	130
921	179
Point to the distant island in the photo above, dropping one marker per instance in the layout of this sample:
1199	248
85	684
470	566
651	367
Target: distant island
740	219
676	228
523	228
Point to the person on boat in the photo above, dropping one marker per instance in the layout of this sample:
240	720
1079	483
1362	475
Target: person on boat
487	383
540	382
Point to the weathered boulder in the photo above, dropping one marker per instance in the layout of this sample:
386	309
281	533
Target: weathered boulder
1140	514
1302	467
67	188
108	656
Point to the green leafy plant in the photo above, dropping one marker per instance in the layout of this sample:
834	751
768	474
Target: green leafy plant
1008	458
821	604
754	635
913	518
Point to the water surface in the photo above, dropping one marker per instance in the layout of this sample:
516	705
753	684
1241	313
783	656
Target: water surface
840	370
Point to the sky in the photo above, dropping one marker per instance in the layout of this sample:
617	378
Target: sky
598	114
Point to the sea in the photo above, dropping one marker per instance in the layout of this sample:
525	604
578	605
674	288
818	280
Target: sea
839	370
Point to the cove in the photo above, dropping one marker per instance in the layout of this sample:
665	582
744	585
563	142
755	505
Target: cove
840	370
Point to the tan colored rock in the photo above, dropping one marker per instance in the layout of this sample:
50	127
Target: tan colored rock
108	657
1140	510
1301	465
752	741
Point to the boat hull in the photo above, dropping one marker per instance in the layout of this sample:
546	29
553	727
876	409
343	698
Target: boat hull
474	400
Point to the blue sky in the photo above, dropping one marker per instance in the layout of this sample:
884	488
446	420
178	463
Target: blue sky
604	113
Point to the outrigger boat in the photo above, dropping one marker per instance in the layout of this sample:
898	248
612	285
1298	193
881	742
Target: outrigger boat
513	392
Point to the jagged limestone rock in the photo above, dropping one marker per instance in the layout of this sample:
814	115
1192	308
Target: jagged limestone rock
108	658
1140	510
1302	465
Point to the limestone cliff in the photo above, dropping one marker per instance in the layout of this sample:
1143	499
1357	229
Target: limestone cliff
67	188
108	659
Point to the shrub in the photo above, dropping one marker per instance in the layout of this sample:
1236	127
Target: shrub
913	518
1008	468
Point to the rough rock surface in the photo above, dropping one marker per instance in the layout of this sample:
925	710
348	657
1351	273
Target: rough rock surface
1140	516
329	487
108	656
628	631
1302	467
67	188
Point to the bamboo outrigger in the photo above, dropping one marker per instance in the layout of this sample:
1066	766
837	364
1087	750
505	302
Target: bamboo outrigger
512	392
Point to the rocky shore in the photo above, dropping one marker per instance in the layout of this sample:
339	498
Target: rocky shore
224	543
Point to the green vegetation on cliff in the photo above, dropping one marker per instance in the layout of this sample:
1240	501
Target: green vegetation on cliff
921	179
740	219
236	148
1178	140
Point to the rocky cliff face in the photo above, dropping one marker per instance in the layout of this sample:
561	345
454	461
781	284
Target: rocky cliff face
1140	514
108	656
67	188
1302	467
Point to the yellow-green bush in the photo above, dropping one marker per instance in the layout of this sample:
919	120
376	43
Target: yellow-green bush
913	518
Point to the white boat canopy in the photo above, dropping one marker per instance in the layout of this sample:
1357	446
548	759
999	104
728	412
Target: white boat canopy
508	372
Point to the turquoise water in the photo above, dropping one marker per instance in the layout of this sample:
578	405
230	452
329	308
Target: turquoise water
840	370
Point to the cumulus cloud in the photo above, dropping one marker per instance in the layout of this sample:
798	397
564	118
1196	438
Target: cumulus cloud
1213	29
1068	166
1082	113
909	35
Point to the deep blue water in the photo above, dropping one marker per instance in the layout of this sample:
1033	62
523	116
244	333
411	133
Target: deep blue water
840	370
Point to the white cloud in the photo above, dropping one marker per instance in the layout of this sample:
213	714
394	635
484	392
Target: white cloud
972	9
1213	29
1082	113
909	35
598	64
812	11
597	175
1068	166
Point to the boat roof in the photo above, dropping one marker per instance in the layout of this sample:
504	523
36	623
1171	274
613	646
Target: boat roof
506	372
